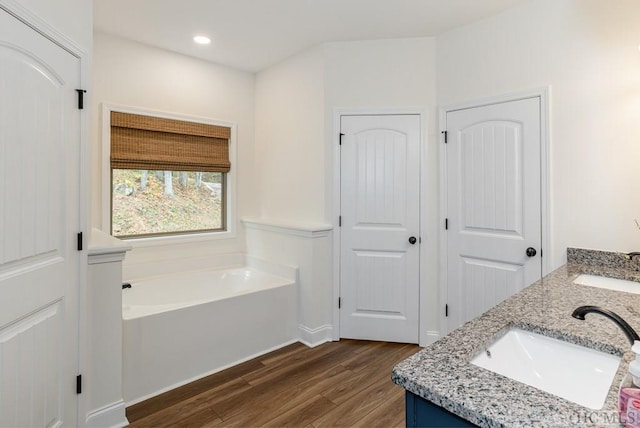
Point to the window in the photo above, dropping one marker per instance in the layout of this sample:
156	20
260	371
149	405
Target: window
167	176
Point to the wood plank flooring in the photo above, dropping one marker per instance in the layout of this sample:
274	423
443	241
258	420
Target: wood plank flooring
346	383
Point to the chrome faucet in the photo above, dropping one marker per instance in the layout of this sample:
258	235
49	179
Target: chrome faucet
581	311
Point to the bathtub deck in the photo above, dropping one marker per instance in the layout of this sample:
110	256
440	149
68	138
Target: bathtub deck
344	383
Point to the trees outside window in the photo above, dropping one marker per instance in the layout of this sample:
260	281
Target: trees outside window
148	203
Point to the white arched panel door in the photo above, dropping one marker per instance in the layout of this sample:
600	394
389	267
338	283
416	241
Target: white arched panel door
380	232
39	219
494	212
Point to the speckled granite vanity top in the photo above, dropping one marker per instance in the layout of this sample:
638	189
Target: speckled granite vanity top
442	374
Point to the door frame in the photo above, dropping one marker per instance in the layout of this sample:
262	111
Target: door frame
338	113
543	93
40	25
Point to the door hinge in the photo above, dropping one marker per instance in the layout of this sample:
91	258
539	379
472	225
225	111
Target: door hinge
339	221
446	139
79	384
340	138
446	224
339	302
446	310
79	243
540	252
81	93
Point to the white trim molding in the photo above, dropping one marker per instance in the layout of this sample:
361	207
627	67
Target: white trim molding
431	337
34	21
112	416
105	248
304	230
231	216
313	337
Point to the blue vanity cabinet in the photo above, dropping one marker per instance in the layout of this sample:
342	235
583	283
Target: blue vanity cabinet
423	413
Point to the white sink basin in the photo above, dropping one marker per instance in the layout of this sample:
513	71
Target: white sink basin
608	283
573	372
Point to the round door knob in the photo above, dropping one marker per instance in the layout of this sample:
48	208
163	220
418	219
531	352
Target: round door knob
412	240
531	252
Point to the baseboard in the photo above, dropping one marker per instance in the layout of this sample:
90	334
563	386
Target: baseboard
313	337
429	338
112	416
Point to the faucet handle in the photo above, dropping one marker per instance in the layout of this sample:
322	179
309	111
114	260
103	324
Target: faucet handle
632	254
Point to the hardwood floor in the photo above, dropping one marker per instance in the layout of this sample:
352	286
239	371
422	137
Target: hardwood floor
346	383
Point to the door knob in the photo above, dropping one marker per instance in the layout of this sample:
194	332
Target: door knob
412	240
531	252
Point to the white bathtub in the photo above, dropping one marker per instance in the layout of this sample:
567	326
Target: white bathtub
183	326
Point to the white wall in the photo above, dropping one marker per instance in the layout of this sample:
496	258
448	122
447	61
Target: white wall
290	166
392	74
587	51
381	73
289	158
295	142
132	74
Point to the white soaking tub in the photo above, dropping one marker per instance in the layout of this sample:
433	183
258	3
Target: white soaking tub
183	326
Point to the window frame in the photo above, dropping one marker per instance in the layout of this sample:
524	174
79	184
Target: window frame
229	181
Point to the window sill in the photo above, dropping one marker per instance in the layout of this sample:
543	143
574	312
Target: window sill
156	241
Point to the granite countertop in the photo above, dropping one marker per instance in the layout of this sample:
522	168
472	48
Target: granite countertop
442	374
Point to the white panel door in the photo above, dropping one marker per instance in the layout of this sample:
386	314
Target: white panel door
39	217
493	205
380	200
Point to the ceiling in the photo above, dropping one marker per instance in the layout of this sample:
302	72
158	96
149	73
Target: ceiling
254	34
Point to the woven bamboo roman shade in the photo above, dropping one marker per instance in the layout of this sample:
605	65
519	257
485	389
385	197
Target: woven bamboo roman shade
154	143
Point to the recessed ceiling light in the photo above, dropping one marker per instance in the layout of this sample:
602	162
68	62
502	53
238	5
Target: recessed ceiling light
202	40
